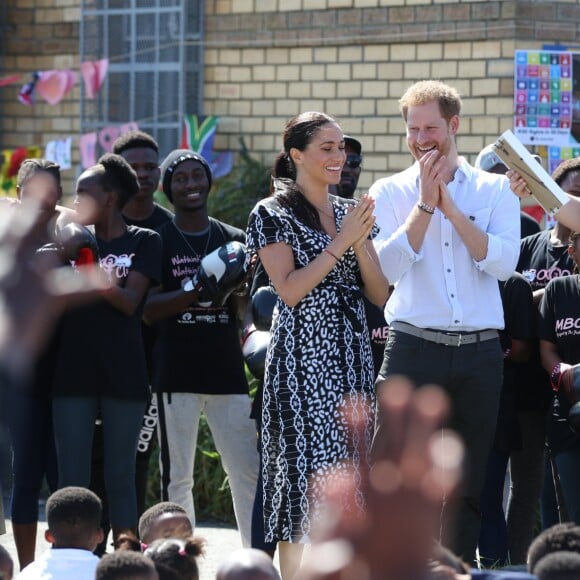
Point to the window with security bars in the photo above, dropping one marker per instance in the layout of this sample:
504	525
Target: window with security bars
155	72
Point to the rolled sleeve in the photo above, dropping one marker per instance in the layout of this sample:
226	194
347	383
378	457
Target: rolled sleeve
503	248
396	255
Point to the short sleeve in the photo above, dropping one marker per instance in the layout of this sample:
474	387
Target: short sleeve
547	323
267	225
148	256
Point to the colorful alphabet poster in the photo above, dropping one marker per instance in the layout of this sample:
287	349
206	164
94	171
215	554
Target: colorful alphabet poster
547	105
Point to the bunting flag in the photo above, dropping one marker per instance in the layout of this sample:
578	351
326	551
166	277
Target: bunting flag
26	93
59	151
94	74
89	142
11	162
200	137
53	85
10	80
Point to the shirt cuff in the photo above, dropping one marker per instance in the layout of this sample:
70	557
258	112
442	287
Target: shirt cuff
493	253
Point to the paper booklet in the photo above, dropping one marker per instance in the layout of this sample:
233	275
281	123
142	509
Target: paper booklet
544	189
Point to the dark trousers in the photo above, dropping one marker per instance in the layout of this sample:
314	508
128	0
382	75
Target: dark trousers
471	374
493	538
568	464
29	419
74	427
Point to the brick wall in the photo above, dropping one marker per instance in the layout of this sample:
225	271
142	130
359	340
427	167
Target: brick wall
266	60
269	59
40	35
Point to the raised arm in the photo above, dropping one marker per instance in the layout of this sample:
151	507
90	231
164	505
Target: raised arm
568	215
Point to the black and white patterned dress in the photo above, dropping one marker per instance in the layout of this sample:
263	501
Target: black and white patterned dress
319	357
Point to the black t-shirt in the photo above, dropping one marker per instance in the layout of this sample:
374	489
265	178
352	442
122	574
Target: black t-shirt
159	216
378	330
197	350
539	262
560	324
100	349
528	225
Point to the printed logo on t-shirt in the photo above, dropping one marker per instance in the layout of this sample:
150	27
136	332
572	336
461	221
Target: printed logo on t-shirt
379	334
567	327
540	278
184	266
204	315
117	266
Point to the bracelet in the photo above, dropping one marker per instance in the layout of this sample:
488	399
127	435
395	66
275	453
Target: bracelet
555	375
333	255
426	208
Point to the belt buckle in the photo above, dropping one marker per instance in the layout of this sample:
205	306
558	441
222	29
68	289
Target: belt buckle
457	335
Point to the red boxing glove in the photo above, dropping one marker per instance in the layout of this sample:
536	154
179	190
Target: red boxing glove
565	379
77	244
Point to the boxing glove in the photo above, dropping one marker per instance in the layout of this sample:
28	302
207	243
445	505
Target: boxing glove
565	379
73	243
254	348
263	303
220	273
77	244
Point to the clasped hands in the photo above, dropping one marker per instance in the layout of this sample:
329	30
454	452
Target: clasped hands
358	223
435	174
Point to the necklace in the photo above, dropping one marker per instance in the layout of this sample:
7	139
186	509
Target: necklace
184	238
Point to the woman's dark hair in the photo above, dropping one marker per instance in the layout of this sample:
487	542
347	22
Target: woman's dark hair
177	555
119	177
298	134
30	167
564	169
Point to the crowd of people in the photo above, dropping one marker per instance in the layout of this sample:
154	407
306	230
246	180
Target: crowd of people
417	347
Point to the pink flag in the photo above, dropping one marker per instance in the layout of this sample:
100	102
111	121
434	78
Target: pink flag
88	144
53	85
94	73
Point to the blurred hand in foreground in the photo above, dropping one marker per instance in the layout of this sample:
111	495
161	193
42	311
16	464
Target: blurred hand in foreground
417	468
34	290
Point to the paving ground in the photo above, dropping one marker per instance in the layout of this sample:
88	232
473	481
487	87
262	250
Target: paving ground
220	542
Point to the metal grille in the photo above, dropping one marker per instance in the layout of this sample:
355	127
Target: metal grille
155	71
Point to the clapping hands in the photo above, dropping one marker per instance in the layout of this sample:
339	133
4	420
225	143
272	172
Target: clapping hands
358	222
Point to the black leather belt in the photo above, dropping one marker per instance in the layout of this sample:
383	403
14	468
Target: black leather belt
444	337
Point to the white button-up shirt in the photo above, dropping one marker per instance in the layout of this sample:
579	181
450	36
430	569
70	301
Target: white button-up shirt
442	286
